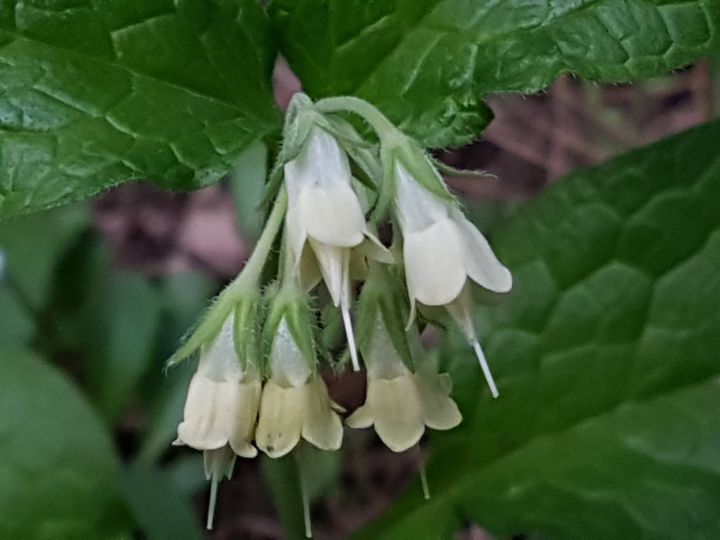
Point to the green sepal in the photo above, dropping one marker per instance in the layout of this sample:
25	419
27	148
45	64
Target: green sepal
300	120
421	168
387	187
246	330
205	330
380	297
291	304
444	168
363	153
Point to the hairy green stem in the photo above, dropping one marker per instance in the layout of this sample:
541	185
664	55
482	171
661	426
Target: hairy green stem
382	126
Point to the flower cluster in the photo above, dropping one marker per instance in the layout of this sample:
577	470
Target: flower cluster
258	383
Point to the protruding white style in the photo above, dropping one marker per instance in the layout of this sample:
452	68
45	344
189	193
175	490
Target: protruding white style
399	403
218	464
295	402
441	250
324	211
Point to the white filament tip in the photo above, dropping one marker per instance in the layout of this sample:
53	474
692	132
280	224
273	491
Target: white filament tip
211	504
424	482
350	338
485	368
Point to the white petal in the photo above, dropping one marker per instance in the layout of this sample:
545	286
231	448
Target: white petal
207	420
288	366
296	233
417	208
280	421
335	268
362	417
434	263
439	410
219	361
332	216
397	411
372	248
481	263
321	424
310	274
245	415
382	359
321	163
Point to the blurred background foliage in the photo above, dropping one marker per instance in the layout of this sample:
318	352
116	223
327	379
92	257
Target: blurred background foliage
95	297
606	352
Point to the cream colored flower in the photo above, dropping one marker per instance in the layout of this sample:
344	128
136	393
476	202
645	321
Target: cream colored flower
295	402
441	250
222	402
399	403
325	212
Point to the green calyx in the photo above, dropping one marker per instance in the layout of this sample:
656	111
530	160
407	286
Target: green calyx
290	304
244	290
380	298
395	148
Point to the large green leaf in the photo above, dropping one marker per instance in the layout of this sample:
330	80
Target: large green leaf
428	63
58	468
607	358
94	94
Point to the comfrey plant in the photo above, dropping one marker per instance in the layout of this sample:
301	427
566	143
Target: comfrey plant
258	384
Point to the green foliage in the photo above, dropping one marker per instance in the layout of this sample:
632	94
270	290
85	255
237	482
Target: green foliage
58	471
605	352
96	94
158	506
429	64
606	355
122	320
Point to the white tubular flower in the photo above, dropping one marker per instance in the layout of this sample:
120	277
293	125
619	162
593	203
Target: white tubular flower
325	212
222	401
441	250
295	402
399	403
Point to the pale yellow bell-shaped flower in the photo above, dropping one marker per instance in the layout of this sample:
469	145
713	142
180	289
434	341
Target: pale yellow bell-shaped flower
223	400
441	250
399	403
325	212
295	402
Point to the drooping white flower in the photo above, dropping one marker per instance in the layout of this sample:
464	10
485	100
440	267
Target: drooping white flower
400	403
221	409
324	211
442	252
222	401
295	402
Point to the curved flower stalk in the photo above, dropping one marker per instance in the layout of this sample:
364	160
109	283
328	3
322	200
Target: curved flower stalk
221	408
400	403
324	211
295	401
